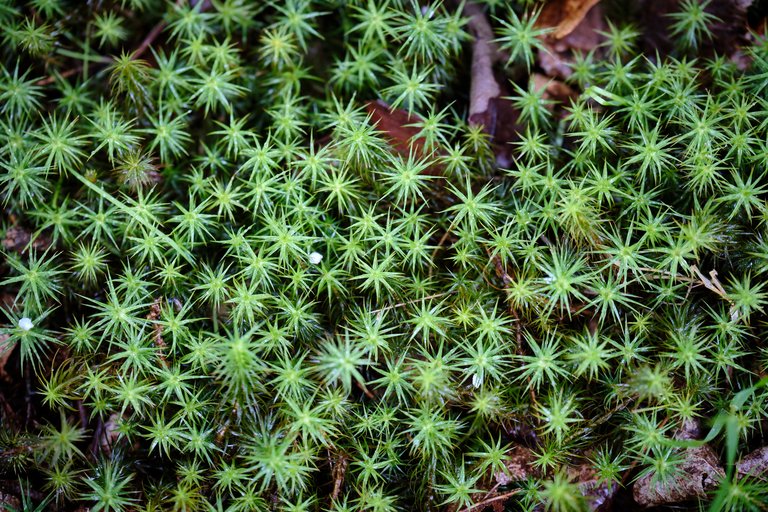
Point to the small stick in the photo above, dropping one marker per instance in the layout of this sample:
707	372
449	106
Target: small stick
712	284
339	471
414	301
66	74
439	245
485	503
365	390
156	30
143	47
83	414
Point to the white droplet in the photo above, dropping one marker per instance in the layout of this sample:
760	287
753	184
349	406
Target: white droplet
26	324
477	381
315	258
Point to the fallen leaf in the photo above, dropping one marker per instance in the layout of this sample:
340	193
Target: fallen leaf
554	89
488	106
397	125
339	465
109	434
154	314
564	15
585	37
20	240
700	473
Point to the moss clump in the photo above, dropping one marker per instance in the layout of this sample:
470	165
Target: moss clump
229	288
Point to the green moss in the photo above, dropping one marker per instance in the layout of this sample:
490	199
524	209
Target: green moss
243	298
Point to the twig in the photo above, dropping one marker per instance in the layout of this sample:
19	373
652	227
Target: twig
156	31
365	389
414	301
154	315
488	501
439	245
339	471
66	74
145	44
140	50
711	284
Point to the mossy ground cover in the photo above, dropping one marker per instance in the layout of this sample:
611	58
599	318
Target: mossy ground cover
357	255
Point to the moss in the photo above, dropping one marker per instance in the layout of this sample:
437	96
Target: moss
241	286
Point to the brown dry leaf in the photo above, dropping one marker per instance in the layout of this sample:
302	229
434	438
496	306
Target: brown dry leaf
110	434
339	464
554	89
18	239
396	125
154	314
488	106
699	474
564	15
584	38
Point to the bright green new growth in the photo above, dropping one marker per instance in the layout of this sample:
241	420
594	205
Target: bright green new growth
228	289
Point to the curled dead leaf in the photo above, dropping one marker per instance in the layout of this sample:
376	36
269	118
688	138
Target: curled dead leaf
554	89
397	125
584	37
339	463
564	15
108	435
